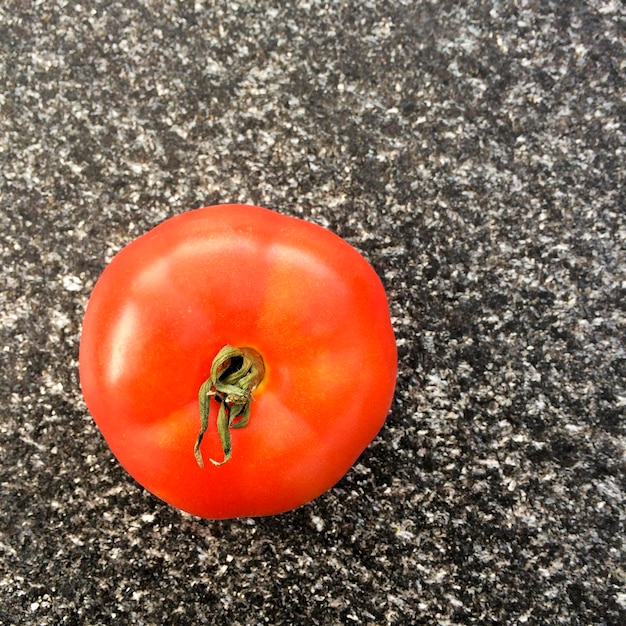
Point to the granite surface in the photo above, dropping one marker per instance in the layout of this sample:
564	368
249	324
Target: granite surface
475	152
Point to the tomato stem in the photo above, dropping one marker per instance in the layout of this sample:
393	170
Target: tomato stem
235	374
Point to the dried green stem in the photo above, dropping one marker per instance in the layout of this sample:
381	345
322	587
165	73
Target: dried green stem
235	374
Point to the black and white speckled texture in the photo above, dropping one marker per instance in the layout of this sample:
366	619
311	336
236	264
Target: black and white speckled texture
476	155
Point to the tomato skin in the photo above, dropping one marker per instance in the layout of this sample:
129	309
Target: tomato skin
301	296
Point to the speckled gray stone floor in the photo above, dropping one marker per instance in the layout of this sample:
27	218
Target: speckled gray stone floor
475	152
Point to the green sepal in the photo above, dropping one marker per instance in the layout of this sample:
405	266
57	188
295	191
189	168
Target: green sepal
235	374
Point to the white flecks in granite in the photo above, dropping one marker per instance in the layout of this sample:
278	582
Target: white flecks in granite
476	156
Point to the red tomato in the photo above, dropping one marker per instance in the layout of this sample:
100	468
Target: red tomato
312	312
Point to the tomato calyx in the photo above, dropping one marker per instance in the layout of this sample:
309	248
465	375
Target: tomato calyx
235	374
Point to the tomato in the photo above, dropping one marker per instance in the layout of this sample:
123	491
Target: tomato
234	333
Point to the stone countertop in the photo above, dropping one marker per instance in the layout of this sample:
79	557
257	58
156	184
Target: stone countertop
476	156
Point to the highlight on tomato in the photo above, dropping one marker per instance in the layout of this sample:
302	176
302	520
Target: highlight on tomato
238	361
